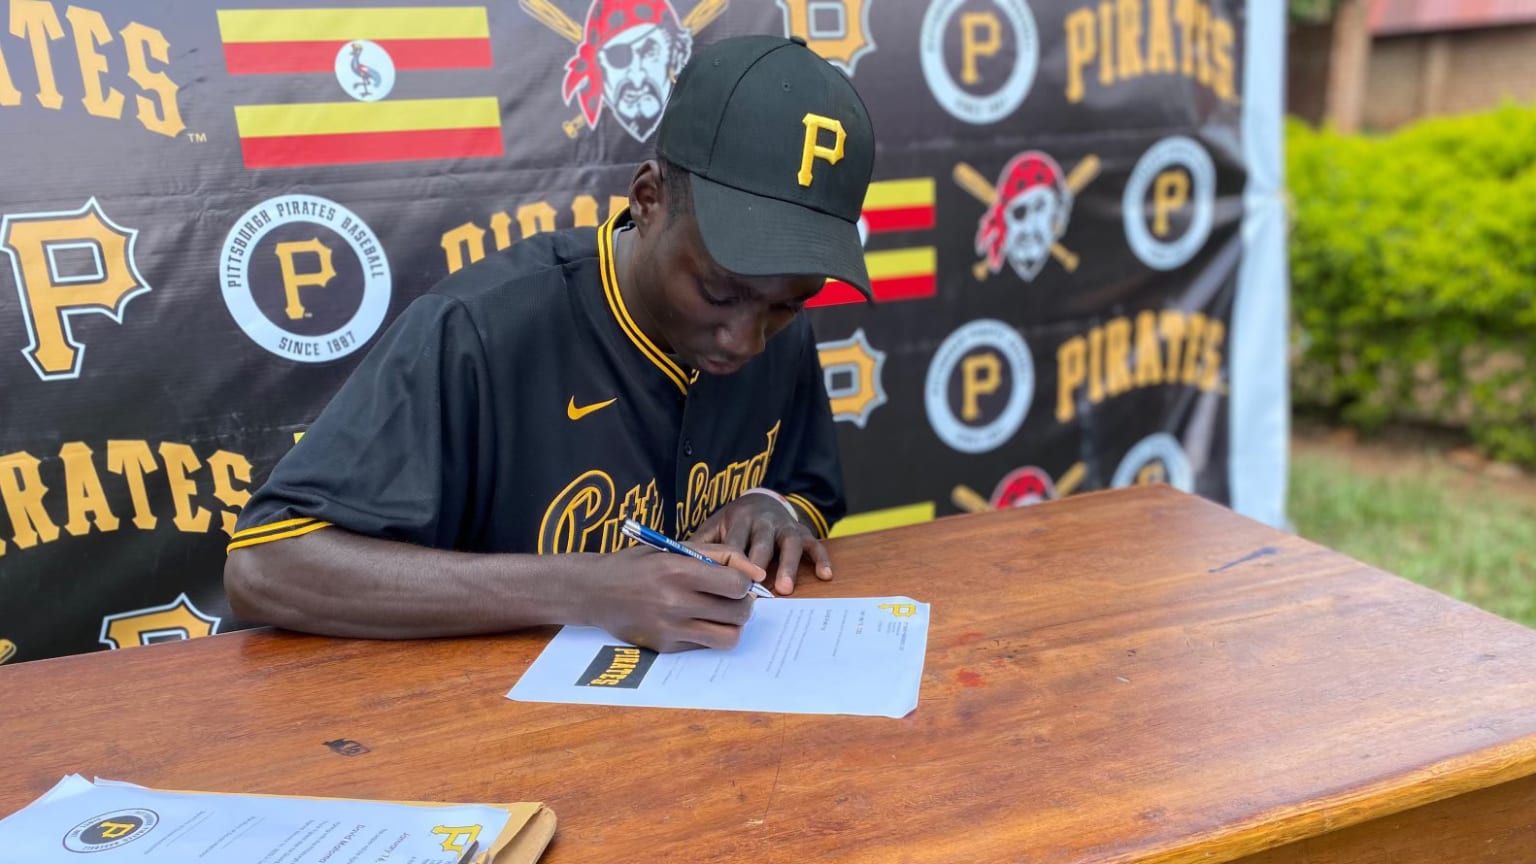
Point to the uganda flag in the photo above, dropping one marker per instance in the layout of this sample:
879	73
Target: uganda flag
359	48
281	41
893	206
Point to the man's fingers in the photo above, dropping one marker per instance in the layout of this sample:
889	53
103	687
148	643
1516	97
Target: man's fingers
817	552
732	562
708	634
722	611
736	534
761	549
791	545
709	532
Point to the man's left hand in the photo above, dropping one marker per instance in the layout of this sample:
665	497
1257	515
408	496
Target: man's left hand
761	527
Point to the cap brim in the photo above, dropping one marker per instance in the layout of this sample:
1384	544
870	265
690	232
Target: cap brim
757	236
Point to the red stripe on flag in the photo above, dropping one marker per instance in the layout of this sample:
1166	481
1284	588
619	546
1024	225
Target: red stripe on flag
287	58
905	287
439	53
899	219
886	290
360	147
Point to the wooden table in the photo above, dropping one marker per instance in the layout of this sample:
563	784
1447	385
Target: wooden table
1131	676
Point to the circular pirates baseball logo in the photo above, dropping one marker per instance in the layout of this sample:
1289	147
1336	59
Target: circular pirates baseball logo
1157	458
979	63
305	278
365	70
980	386
1169	203
1023	487
111	830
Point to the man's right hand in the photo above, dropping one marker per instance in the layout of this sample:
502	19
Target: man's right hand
671	602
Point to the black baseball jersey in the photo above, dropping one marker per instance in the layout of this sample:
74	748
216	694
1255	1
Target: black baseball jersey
518	408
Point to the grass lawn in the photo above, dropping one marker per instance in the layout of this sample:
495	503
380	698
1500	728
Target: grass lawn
1413	513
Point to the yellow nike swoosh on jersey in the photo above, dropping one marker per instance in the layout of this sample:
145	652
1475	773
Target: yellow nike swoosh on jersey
575	413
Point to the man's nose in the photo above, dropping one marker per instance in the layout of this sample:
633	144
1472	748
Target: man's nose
744	336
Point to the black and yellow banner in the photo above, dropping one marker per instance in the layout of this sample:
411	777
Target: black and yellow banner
212	208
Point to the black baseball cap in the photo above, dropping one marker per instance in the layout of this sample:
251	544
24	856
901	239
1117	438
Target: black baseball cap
780	149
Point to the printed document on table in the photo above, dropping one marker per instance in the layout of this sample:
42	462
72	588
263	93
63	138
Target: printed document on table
800	656
112	822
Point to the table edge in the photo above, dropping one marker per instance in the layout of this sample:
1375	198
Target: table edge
1470	772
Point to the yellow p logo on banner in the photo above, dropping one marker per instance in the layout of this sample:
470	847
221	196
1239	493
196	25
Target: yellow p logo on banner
974	44
980	375
68	264
1170	194
293	279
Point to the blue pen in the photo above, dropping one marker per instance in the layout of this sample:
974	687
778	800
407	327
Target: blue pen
656	540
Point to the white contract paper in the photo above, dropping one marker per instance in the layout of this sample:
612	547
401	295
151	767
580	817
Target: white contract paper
109	822
798	656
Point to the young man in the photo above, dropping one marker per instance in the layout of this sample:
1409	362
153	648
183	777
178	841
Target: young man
472	474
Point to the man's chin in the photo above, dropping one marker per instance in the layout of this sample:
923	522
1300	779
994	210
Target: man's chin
718	367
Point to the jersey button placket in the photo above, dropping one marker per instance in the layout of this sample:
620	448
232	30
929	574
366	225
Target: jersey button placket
688	447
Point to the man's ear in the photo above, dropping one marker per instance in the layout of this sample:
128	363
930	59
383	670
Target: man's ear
647	198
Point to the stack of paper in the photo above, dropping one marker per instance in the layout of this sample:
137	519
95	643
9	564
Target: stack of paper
123	822
858	655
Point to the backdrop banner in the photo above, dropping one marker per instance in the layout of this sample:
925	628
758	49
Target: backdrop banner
213	209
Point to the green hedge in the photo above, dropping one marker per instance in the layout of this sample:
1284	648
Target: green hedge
1413	263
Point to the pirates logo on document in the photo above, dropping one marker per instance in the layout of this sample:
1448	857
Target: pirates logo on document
838	30
111	830
627	57
621	666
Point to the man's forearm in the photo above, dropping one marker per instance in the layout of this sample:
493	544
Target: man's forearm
336	583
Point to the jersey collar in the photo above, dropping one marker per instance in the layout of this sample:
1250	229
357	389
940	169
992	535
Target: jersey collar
609	269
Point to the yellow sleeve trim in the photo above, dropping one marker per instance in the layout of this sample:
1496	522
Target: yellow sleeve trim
818	521
314	525
273	526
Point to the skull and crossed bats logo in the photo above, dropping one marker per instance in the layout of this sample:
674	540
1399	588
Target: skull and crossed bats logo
627	57
1027	212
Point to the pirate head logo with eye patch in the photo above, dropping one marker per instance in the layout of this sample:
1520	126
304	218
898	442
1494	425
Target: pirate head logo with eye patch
627	57
1028	211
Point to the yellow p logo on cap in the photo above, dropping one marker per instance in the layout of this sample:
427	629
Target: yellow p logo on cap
813	150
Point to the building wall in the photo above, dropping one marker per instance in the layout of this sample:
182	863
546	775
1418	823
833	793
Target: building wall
1477	70
1395	82
1306	71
